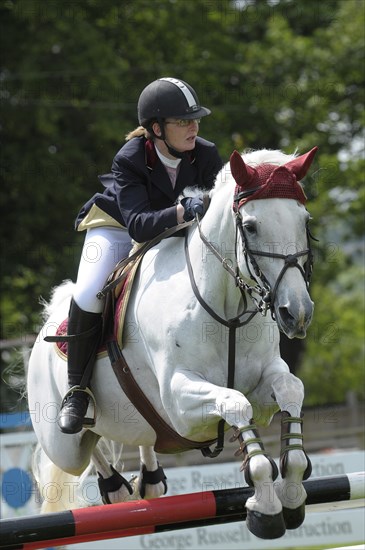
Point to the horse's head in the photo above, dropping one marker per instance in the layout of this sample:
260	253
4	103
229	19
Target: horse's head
274	233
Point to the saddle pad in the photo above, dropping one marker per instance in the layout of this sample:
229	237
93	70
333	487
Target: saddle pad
124	292
122	304
61	347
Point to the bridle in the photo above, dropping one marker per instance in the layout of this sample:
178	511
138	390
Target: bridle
266	293
261	293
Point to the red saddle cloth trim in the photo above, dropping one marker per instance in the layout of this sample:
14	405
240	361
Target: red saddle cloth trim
63	346
62	329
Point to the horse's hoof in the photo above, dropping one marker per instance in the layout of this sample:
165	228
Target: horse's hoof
265	526
294	517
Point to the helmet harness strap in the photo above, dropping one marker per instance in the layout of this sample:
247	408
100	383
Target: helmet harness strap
171	150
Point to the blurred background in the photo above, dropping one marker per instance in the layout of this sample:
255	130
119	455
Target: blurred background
280	74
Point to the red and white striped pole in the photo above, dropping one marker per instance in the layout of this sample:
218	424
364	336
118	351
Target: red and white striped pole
141	517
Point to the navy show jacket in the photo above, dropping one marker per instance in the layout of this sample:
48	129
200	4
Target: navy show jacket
138	192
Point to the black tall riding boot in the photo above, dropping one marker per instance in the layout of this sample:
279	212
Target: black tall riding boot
81	352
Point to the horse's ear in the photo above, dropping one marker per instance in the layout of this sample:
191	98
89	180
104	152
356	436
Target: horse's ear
242	173
300	165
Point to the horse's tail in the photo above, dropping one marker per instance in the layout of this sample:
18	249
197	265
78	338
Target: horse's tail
59	295
56	488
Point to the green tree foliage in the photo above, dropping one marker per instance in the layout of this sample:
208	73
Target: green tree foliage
283	74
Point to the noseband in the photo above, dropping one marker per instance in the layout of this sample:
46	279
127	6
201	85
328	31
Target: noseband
268	294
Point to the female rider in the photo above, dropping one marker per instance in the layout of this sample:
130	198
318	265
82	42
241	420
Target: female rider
162	156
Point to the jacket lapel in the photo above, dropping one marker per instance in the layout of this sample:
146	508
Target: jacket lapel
160	179
158	176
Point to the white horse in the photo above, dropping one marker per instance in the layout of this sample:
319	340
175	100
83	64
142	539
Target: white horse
204	347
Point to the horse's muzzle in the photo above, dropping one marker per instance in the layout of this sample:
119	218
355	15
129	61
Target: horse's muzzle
294	319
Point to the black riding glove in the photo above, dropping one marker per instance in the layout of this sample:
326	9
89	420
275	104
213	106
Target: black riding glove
192	206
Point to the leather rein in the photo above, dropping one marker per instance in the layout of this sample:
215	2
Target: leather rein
260	293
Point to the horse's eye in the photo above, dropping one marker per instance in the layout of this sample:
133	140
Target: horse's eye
250	228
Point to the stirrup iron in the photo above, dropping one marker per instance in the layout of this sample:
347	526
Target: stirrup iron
87	422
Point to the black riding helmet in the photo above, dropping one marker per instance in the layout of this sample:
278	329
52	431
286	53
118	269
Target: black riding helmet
168	97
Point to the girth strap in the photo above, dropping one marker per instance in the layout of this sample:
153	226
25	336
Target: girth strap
167	439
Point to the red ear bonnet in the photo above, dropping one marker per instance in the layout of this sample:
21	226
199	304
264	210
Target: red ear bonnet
268	180
241	172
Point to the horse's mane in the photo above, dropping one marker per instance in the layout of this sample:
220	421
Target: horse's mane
266	156
253	158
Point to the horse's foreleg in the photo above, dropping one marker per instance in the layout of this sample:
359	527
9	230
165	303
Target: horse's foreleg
113	486
192	394
264	508
151	480
294	462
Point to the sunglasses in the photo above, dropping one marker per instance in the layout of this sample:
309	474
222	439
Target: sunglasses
183	122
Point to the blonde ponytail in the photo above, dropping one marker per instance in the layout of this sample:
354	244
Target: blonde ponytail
138	132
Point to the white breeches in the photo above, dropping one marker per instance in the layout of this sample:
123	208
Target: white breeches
103	248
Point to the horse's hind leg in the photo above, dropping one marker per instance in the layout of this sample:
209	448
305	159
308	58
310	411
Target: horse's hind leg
294	462
151	481
55	486
58	471
113	486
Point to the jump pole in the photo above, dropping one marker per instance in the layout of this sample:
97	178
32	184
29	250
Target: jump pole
141	517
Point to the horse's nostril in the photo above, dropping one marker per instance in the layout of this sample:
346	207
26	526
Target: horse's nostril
285	315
